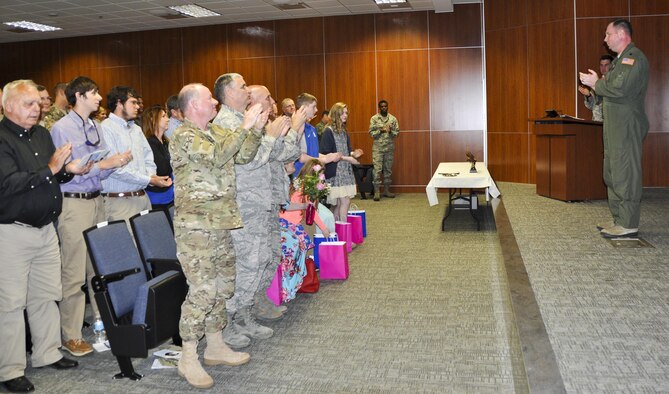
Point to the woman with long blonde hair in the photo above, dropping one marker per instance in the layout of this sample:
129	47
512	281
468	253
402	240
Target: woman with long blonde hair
340	174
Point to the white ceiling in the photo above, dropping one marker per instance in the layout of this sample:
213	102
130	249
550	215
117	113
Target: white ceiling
92	17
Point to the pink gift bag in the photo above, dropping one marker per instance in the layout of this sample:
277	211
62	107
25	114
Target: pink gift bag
334	260
274	289
343	230
356	229
363	215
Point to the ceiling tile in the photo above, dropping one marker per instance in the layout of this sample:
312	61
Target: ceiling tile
78	17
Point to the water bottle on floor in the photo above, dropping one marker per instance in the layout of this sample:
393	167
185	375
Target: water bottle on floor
99	331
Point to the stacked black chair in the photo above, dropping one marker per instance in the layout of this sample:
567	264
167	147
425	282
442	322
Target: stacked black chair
138	313
155	241
364	175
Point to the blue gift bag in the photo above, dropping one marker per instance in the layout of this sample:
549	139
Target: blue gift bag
318	239
361	212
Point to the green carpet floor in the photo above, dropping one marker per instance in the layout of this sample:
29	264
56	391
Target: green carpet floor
606	309
423	311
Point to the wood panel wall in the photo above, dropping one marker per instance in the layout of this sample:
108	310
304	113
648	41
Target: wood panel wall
533	53
428	66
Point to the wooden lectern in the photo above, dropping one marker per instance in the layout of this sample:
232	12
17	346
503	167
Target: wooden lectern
570	156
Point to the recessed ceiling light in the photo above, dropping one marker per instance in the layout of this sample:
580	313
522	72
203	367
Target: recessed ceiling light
389	1
32	26
193	10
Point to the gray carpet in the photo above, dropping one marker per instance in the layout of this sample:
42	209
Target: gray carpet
423	311
606	309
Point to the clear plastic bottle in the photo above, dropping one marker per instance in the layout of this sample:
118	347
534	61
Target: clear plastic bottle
99	331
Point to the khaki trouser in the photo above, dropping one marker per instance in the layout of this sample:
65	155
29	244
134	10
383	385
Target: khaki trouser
30	280
123	208
78	215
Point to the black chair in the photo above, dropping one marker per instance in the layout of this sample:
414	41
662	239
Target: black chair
155	241
364	174
138	314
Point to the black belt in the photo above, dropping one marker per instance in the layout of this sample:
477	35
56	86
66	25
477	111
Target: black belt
29	225
125	194
86	196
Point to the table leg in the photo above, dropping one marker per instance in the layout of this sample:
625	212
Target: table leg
472	196
448	210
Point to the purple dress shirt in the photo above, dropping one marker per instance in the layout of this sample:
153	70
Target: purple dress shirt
71	129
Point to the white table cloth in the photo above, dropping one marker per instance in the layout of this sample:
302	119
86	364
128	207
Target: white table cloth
465	180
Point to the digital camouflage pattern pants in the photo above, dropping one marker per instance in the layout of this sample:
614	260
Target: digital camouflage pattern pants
383	164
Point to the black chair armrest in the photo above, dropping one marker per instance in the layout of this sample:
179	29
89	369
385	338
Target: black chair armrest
163	310
160	266
100	282
128	340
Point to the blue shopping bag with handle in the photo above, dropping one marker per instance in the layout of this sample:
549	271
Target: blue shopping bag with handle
361	213
318	239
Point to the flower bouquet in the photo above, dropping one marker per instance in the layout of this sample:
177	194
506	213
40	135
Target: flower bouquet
314	188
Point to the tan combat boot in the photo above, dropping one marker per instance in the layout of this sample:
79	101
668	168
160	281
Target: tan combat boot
191	369
217	352
377	193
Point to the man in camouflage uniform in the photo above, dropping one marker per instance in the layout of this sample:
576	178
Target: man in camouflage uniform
325	119
590	99
59	108
206	212
286	150
383	128
251	243
625	127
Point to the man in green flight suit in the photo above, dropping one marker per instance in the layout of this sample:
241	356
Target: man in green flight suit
625	127
384	128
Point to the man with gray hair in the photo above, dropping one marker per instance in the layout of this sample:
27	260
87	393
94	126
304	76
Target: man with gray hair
288	106
235	96
252	246
286	152
205	213
30	201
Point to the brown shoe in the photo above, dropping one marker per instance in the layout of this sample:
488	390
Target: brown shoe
78	347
